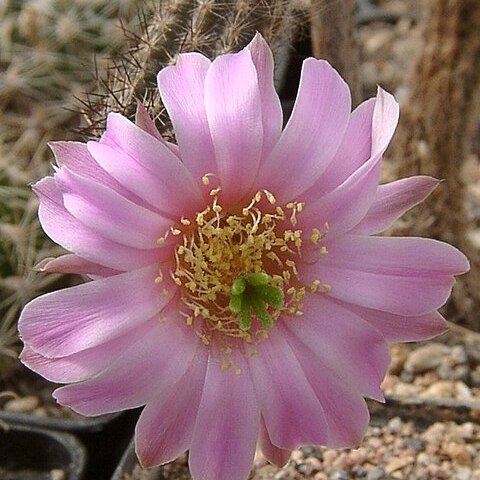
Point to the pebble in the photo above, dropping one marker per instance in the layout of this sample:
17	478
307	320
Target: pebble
399	353
377	473
447	389
310	466
427	357
398	463
476	474
340	475
282	475
57	474
459	453
447	372
475	376
21	405
462	474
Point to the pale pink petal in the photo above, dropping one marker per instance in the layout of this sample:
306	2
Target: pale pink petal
353	152
344	343
226	430
345	206
402	295
136	151
233	107
398	328
71	263
385	119
182	88
146	123
64	229
154	363
108	213
402	256
76	157
86	363
67	321
276	456
312	134
271	108
290	408
406	276
165	428
345	410
392	200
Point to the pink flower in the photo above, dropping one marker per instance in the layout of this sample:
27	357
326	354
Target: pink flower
237	289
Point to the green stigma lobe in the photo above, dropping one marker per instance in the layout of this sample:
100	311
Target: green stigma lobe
252	291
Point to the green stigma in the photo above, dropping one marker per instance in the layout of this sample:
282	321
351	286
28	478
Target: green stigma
251	291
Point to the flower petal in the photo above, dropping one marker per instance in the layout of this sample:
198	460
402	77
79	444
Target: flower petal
84	364
345	206
345	410
151	365
182	88
64	229
272	115
226	430
344	343
73	264
405	276
76	157
136	156
392	200
291	410
67	321
312	134
397	328
353	152
165	428
145	122
276	456
233	107
108	213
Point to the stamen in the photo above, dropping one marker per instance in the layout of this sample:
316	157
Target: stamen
238	271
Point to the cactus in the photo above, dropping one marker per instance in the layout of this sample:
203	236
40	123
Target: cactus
210	27
46	60
437	126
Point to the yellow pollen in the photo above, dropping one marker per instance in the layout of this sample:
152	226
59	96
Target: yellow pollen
217	246
215	191
316	236
225	366
315	285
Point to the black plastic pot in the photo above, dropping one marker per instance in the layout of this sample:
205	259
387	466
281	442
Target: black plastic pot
77	425
129	462
28	453
104	438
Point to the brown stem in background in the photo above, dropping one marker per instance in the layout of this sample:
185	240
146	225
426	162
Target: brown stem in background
435	136
333	37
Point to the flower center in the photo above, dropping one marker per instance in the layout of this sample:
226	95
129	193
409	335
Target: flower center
237	269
